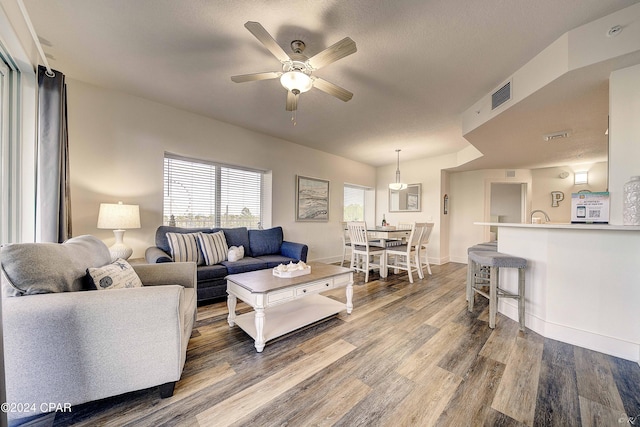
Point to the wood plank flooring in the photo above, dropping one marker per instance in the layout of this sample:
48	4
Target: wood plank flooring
408	355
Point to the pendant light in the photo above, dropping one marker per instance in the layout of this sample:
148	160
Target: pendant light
398	185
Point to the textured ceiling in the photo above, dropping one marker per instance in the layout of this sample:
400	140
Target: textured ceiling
419	65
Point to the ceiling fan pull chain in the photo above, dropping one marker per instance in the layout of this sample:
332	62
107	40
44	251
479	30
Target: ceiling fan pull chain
293	113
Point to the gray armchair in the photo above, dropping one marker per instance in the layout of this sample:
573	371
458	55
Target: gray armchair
75	347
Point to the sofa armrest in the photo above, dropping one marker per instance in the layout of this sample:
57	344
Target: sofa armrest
76	347
175	273
294	250
155	255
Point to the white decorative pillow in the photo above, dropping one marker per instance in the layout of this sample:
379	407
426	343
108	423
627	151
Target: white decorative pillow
236	253
117	275
213	247
184	247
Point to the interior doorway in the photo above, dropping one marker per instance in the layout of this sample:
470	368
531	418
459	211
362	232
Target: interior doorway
507	204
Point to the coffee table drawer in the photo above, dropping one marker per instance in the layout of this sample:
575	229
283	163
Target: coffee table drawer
314	287
284	295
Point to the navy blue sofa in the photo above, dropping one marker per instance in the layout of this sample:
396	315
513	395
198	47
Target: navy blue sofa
262	249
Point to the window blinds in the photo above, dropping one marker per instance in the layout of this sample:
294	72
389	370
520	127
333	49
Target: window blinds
205	194
354	203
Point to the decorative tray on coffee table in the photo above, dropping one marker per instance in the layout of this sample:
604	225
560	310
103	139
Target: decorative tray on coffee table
291	270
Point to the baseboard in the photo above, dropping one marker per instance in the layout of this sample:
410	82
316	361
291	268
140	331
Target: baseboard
439	261
578	337
459	259
329	260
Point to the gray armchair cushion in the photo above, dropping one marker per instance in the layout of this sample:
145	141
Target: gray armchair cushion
40	268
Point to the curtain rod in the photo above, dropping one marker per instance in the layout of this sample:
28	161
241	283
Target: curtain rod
34	36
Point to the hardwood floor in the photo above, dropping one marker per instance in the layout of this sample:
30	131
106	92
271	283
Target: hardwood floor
408	355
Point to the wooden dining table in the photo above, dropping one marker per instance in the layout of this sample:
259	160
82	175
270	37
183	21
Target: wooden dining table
382	236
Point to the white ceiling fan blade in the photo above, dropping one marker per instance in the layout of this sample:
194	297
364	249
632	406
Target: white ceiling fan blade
344	47
332	89
256	76
265	38
292	101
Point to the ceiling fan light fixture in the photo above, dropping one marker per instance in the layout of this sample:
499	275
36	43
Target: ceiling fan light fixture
296	81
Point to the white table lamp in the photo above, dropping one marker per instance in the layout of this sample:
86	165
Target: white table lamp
119	217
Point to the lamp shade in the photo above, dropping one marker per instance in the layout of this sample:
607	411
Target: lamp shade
296	80
397	186
118	216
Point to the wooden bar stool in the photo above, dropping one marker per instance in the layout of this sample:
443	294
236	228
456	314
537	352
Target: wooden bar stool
496	261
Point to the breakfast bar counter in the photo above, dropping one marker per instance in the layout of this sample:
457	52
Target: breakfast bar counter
582	283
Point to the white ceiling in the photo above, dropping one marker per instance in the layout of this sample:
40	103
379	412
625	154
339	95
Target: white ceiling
419	65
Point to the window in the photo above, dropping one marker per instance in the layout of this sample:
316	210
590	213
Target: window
199	193
4	152
354	203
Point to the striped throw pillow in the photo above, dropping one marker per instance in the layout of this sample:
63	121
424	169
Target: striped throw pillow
184	247
213	246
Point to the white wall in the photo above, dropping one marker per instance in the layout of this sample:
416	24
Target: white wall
624	134
427	172
546	180
469	202
116	148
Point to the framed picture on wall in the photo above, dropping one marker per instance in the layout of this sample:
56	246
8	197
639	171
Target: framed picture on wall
412	202
312	199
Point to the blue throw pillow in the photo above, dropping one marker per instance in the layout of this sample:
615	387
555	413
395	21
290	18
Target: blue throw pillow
265	242
238	237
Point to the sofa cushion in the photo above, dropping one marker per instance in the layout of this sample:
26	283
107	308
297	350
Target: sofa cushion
265	242
237	237
208	272
213	247
39	268
161	235
184	247
244	265
119	274
276	260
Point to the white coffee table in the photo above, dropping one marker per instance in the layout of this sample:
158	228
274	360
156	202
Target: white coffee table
283	305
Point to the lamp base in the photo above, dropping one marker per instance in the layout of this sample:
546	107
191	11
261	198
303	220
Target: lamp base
119	249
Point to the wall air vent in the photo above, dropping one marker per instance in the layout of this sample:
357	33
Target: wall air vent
510	174
501	96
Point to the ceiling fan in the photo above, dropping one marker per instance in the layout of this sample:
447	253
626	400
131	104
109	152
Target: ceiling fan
297	69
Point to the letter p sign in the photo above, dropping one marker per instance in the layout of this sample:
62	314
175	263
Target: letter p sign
556	198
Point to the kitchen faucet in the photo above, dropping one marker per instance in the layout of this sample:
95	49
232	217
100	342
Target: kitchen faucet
546	217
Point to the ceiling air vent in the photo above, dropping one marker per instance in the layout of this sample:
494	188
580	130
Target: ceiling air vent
501	96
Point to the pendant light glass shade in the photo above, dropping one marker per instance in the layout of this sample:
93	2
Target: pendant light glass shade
397	185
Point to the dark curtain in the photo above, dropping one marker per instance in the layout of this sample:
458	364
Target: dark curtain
53	198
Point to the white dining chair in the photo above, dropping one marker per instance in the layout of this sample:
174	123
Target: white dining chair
346	243
362	253
424	244
407	256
